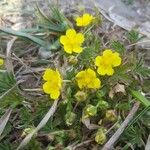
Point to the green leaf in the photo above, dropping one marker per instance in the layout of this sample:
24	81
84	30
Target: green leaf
6	81
117	46
138	116
9	92
28	36
4	119
6	145
133	36
56	22
140	97
143	71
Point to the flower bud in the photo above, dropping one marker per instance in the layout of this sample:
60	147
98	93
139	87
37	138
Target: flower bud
100	94
103	104
90	110
70	117
26	131
73	60
110	115
1	61
100	137
80	96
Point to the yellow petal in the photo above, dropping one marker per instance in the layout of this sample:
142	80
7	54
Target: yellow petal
1	61
79	21
101	70
110	71
87	17
84	20
48	74
81	85
59	79
95	84
80	37
107	52
116	59
55	94
91	73
80	78
63	39
98	60
80	74
77	49
70	33
47	87
68	48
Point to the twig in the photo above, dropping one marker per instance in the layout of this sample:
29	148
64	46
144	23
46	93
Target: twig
27	67
112	127
5	57
147	147
82	144
89	125
33	90
74	147
114	138
141	42
9	64
32	70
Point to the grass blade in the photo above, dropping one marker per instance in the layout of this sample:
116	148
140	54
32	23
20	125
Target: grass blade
136	118
140	97
25	35
4	119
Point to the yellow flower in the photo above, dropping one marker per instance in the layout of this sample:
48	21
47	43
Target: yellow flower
53	83
72	41
84	20
87	78
107	61
1	62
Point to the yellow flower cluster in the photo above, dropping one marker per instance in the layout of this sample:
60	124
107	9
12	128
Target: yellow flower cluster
84	20
72	41
53	83
107	61
87	79
1	61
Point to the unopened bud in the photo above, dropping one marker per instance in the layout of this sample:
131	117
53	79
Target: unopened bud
70	117
1	61
110	115
100	137
90	110
73	60
80	96
26	131
103	104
